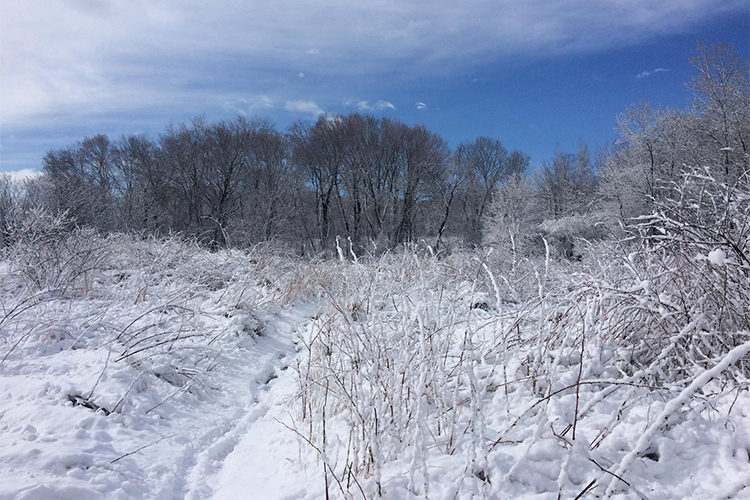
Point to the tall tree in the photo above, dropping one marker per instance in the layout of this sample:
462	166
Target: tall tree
484	164
82	181
722	98
137	183
268	189
566	184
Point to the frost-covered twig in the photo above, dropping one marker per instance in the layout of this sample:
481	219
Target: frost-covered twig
673	405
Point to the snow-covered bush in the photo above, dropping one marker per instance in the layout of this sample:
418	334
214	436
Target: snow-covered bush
399	365
419	363
52	255
665	310
568	235
696	261
673	298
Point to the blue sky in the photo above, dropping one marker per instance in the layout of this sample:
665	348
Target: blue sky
532	74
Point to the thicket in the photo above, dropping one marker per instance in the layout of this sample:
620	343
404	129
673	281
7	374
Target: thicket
488	360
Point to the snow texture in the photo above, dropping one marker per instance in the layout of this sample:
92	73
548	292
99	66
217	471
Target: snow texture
178	373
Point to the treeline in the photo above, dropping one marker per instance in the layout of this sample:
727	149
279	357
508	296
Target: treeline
380	183
376	182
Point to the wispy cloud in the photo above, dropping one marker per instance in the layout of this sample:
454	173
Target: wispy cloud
78	58
377	106
305	107
261	102
384	105
236	107
254	105
644	74
420	106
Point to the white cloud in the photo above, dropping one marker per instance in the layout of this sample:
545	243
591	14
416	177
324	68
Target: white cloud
378	106
250	106
644	74
236	106
364	106
72	58
385	105
421	106
301	74
23	174
306	107
261	102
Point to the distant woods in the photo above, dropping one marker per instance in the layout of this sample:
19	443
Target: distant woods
377	183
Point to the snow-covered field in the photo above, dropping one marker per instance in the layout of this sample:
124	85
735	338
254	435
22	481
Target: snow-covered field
155	369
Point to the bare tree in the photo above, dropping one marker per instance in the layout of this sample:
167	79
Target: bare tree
484	164
722	98
378	182
269	186
424	155
82	179
318	151
566	184
228	163
137	183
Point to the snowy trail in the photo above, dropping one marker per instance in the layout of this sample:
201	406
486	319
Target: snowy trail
259	456
167	439
266	461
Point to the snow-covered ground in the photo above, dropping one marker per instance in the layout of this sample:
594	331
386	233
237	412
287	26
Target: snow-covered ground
171	372
141	385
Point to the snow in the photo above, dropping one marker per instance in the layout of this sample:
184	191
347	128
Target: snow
270	451
717	257
178	373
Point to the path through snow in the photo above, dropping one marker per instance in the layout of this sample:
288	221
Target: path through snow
221	440
261	457
267	461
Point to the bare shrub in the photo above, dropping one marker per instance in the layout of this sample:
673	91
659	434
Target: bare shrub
52	255
415	360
